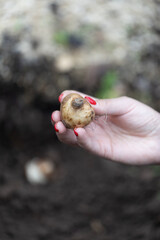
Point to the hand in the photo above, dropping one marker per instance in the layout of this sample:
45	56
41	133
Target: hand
123	130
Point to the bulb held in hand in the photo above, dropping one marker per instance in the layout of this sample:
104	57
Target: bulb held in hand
76	111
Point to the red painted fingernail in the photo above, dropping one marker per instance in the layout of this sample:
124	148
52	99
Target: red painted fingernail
75	132
60	97
92	101
56	128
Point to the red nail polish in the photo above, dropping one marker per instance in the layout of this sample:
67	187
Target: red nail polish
75	132
92	101
56	128
60	97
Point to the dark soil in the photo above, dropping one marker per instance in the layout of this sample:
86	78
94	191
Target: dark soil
89	197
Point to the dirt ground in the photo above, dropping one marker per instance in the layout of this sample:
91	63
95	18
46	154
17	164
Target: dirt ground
89	197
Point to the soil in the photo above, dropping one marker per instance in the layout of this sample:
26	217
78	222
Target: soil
89	197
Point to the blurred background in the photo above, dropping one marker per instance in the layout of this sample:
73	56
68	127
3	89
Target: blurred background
106	48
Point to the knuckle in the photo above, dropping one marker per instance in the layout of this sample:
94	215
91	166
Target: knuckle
127	99
65	92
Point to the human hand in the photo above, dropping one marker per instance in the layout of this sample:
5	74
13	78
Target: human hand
123	130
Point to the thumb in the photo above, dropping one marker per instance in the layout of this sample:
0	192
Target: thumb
114	106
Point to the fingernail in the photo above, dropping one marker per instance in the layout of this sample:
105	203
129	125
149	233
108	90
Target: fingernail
75	132
56	129
92	101
60	97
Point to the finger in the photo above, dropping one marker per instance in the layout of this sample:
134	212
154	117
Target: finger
60	128
90	99
65	135
55	116
83	139
66	92
115	106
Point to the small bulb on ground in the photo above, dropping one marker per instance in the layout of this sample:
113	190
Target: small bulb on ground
39	171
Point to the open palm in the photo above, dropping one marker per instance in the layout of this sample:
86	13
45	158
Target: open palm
123	130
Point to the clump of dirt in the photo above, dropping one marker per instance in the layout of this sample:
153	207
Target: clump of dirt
91	198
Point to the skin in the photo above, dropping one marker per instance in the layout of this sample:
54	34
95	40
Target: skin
124	130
